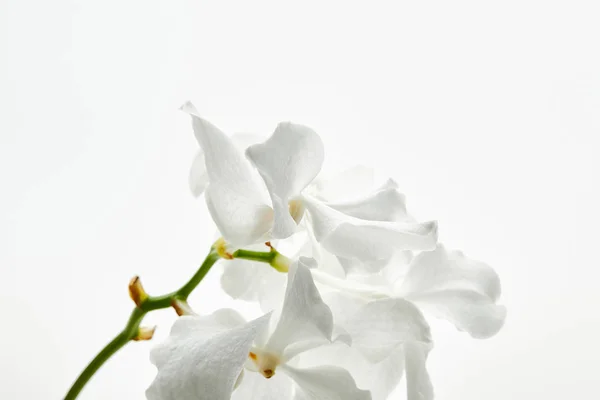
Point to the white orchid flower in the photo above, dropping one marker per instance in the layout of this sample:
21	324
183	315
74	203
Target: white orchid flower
204	356
405	344
248	209
379	311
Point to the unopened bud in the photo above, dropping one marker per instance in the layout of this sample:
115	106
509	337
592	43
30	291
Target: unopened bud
181	307
144	333
221	248
136	291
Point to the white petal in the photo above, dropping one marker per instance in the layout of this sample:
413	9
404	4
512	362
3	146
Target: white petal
452	286
256	387
380	326
235	195
305	320
203	357
418	384
371	242
385	204
254	281
288	161
198	178
379	378
325	383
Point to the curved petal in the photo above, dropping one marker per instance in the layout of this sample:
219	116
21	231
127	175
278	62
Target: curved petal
452	286
305	320
468	311
235	195
379	378
418	384
256	387
288	161
372	243
198	178
384	204
325	383
380	326
254	281
203	357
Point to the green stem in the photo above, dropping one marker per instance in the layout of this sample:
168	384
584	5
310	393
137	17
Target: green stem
107	352
151	303
261	256
130	331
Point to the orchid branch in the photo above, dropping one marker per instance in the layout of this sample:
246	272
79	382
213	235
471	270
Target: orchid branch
177	299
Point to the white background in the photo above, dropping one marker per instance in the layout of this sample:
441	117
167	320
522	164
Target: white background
486	112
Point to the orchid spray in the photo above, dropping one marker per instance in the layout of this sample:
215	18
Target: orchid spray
344	315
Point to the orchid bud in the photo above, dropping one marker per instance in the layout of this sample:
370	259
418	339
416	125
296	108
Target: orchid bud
136	291
144	333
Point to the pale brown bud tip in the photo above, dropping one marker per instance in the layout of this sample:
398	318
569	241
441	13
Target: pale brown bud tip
136	291
221	247
145	333
181	307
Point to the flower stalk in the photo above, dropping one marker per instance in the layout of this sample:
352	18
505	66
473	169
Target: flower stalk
145	303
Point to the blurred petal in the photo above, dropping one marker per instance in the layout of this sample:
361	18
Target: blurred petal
379	378
452	286
305	320
256	387
203	357
380	326
235	195
385	204
254	281
198	178
325	383
370	242
418	384
288	161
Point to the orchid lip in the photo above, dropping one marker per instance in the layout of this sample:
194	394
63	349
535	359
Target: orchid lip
265	362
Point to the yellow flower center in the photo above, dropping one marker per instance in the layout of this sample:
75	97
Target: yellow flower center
265	362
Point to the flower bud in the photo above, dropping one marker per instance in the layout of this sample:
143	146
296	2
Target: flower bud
136	291
144	333
181	307
221	248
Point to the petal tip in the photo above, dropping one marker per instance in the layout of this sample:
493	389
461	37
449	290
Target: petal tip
189	108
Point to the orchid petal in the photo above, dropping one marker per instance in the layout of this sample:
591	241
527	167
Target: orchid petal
452	286
254	281
385	204
379	378
198	178
305	320
203	357
418	383
372	243
325	383
382	325
288	161
256	387
235	194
